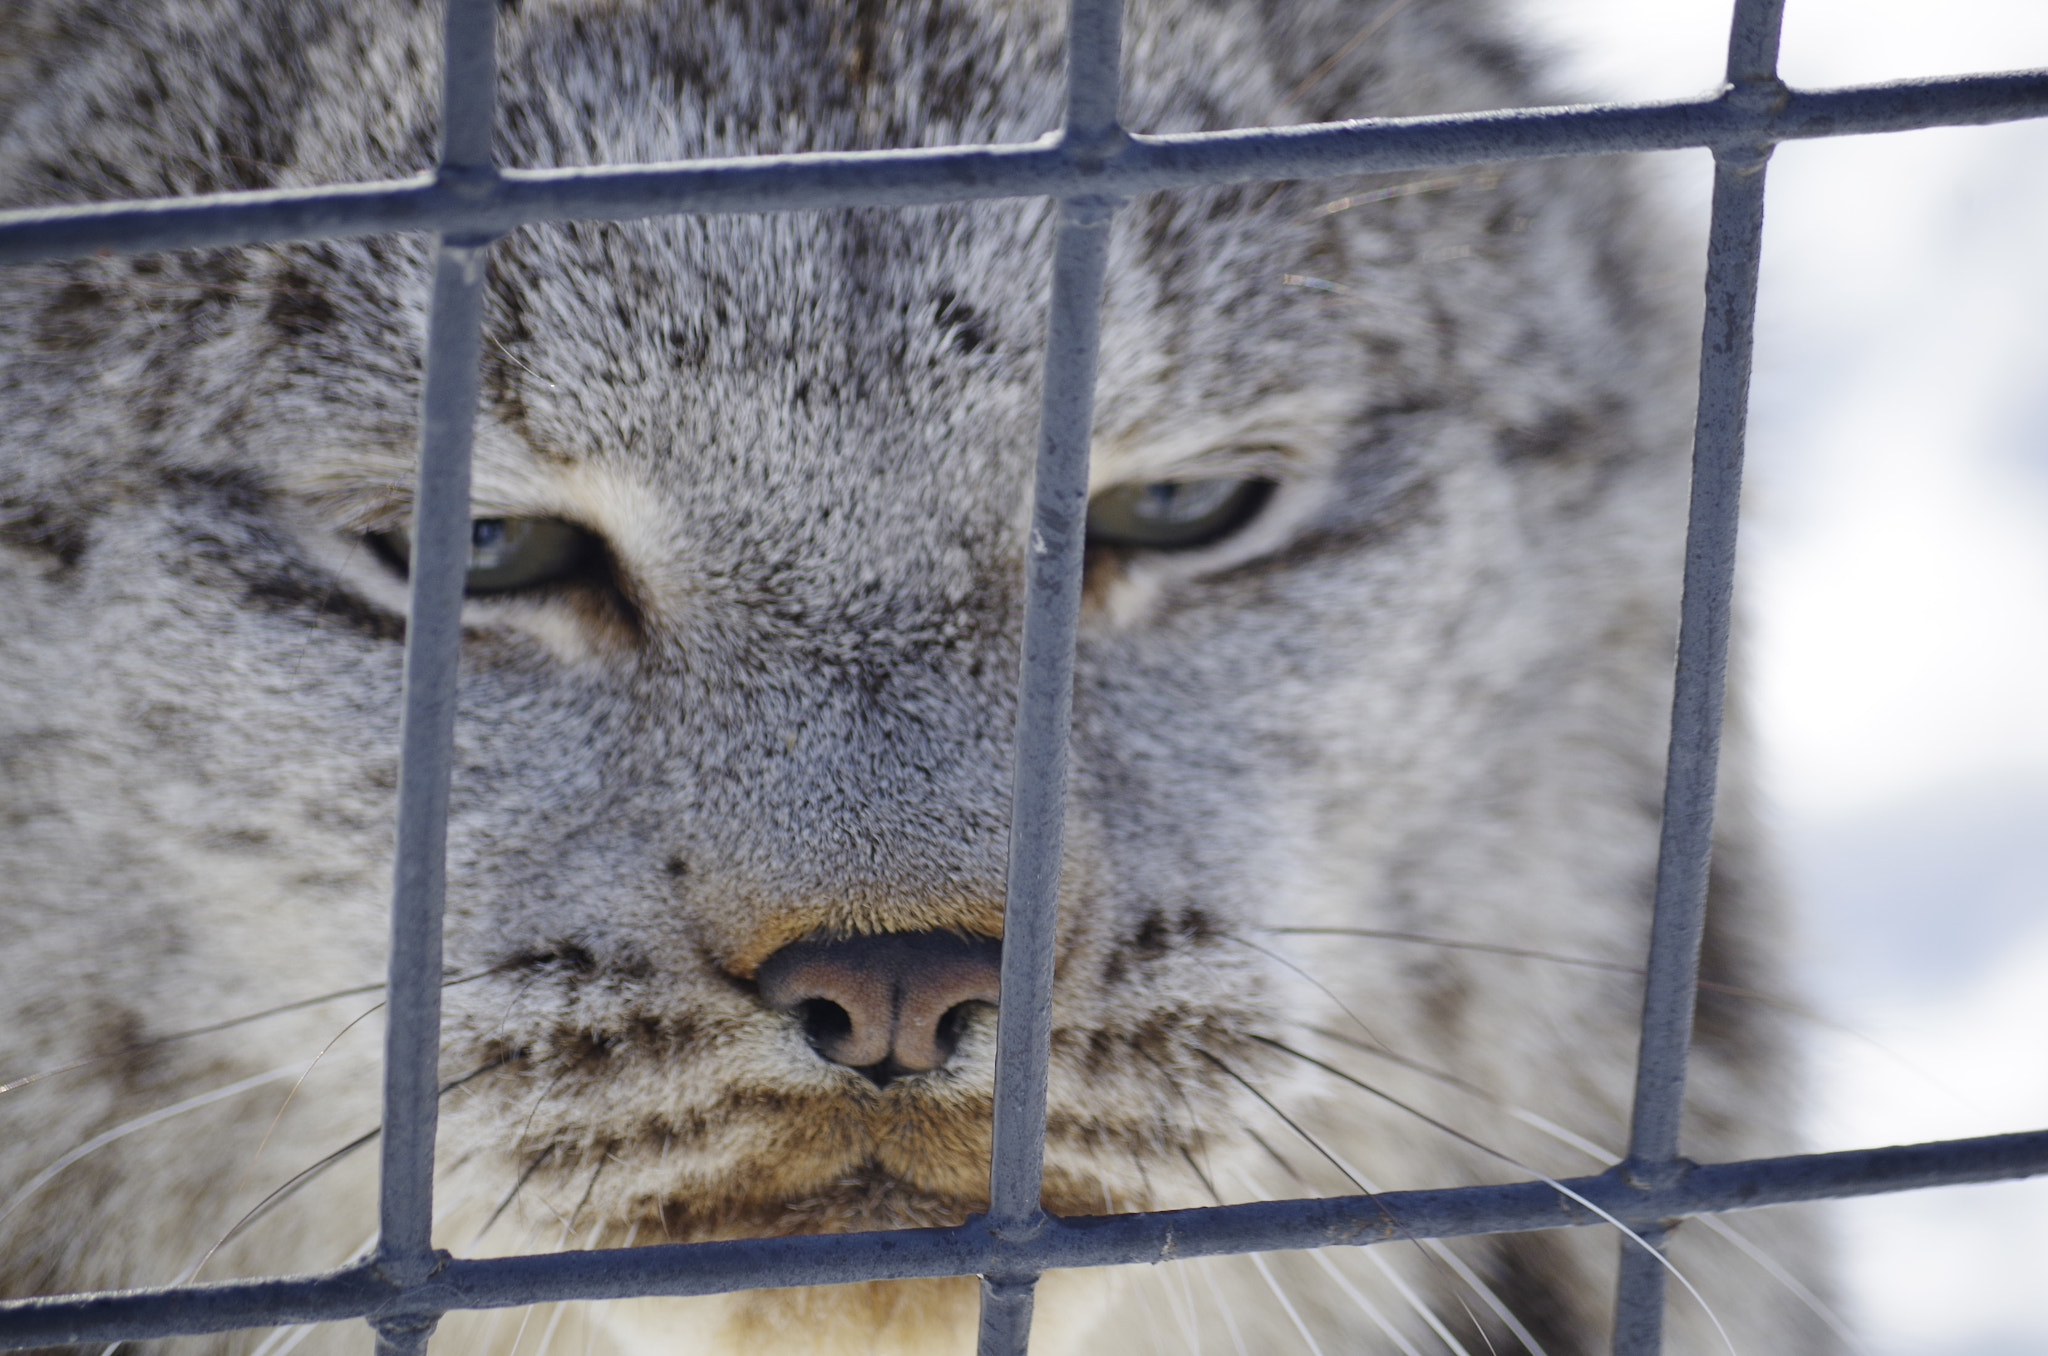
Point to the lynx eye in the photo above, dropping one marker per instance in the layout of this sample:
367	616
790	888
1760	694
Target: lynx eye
1175	515
507	555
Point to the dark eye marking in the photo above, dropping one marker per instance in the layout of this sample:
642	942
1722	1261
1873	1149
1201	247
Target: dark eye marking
1176	515
514	555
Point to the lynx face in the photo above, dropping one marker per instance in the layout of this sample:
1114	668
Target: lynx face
1376	625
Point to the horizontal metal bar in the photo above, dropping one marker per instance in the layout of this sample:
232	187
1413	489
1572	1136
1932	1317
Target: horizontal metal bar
480	203
972	1249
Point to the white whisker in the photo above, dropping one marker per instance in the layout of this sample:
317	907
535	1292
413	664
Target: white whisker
1184	1313
1551	1182
161	1114
1450	1259
1259	1260
1785	1278
1223	1309
1371	1310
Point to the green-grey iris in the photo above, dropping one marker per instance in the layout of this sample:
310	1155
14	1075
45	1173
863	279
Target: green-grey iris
507	555
1175	515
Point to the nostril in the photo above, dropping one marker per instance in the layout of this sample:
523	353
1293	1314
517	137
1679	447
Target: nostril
952	1025
826	1024
886	1004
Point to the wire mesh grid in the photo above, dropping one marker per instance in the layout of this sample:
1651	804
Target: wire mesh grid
1090	166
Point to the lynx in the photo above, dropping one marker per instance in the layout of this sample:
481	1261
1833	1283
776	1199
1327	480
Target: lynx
1371	691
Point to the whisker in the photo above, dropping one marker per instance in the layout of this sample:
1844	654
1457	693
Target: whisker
1200	1176
1155	1329
1209	1266
1187	1318
547	1336
155	1042
1326	990
1457	1266
527	1176
283	1106
143	1122
308	1174
1442	1076
1423	939
1415	1301
1259	1260
1293	1173
1551	1182
1358	39
1371	1310
538	1103
510	357
290	1187
1487	1296
1785	1278
1799	1010
1749	1249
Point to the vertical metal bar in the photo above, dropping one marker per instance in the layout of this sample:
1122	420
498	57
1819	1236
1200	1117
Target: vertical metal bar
403	1338
1052	595
1685	849
1006	1305
1045	709
469	83
1639	1295
1753	40
440	559
1094	57
1686	843
1052	602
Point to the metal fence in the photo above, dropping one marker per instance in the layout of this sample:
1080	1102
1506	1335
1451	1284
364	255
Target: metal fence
1091	166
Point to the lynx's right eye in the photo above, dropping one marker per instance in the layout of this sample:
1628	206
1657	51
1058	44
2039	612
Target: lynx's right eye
508	555
1175	515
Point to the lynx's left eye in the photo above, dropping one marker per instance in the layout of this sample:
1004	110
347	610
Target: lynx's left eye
510	554
1175	515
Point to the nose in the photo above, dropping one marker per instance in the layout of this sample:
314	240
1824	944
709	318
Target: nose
887	1004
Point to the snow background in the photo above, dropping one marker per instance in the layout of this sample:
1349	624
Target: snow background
1895	587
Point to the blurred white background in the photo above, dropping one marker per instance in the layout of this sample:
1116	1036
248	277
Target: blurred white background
1895	582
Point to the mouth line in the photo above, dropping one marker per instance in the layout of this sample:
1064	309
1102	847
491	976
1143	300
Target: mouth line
869	1197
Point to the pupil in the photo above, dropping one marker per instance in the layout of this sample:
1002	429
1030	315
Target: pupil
487	543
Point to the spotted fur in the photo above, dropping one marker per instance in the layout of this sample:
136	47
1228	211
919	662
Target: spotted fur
1421	693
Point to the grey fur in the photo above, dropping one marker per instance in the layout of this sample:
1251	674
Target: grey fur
1423	692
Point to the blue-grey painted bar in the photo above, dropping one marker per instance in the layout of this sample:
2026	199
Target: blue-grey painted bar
972	1249
1045	684
494	204
1686	845
1006	1305
439	560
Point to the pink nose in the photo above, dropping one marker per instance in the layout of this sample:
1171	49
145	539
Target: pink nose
888	1004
